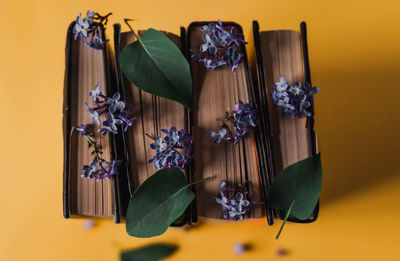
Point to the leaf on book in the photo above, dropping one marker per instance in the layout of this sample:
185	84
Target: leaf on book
156	65
149	253
296	190
157	203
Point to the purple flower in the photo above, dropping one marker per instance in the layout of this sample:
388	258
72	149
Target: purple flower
112	168
172	137
168	149
96	43
91	170
110	124
235	207
235	37
294	100
222	134
212	64
208	45
81	26
232	58
127	115
85	129
96	92
115	103
158	145
94	114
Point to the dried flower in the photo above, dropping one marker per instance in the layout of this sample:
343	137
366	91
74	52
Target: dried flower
169	150
294	100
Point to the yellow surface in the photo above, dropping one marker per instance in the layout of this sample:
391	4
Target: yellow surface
355	59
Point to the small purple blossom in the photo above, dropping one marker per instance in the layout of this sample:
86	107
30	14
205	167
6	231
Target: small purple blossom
115	103
243	117
223	134
219	46
89	171
208	45
127	115
169	150
85	129
110	125
233	207
294	100
116	110
96	43
82	26
89	26
158	145
232	58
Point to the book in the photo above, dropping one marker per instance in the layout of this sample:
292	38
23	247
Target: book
153	115
85	68
288	139
242	165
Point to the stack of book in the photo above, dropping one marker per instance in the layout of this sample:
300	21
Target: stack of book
252	163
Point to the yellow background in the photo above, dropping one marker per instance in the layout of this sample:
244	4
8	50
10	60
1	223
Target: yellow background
355	60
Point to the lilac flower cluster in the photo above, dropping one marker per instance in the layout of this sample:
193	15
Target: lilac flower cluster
242	117
99	168
168	150
294	100
220	46
88	26
233	207
117	112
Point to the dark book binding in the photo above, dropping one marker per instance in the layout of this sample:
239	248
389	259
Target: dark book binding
123	139
67	108
266	113
259	132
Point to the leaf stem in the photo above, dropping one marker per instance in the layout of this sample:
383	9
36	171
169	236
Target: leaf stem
199	181
284	221
137	37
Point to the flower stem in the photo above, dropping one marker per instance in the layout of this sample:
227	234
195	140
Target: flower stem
284	221
150	136
96	150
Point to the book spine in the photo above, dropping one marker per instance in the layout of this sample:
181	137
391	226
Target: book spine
67	121
124	180
265	124
310	120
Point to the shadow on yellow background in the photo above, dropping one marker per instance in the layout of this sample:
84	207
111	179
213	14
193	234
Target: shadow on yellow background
355	60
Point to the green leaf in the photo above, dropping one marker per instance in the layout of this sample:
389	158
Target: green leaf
151	252
296	190
156	65
158	202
